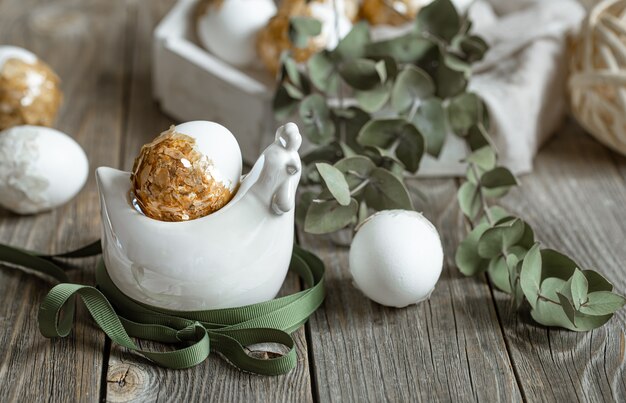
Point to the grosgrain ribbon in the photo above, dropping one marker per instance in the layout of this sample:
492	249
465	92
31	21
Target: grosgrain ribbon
225	331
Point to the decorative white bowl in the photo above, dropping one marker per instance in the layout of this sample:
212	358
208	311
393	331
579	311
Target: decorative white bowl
236	256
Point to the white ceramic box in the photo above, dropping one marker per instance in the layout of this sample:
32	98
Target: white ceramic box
190	84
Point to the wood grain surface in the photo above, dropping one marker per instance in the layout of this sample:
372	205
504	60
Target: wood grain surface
466	343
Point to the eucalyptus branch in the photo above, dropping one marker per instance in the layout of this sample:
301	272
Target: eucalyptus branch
406	94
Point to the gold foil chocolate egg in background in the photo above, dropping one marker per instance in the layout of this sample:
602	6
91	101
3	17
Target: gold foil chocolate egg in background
30	92
187	172
391	12
336	18
228	28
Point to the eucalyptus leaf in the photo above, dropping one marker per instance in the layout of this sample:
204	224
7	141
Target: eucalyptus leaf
335	182
497	178
466	257
567	307
499	274
484	158
328	153
411	85
362	74
469	200
464	112
380	132
410	147
329	216
356	169
430	120
597	282
477	137
374	99
408	48
449	82
530	276
440	19
323	72
283	104
301	29
498	239
387	192
474	47
353	45
316	119
556	264
602	303
579	288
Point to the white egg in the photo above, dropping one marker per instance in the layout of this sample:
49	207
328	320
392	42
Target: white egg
229	29
13	52
40	169
396	258
220	146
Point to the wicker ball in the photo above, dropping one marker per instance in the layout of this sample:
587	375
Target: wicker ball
598	74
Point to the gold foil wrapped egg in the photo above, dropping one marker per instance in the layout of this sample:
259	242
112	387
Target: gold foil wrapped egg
30	91
336	19
391	12
187	172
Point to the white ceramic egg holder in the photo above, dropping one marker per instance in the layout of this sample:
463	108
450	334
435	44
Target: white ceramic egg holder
192	84
235	256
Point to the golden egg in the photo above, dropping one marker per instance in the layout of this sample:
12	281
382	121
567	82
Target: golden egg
30	91
274	38
391	12
172	180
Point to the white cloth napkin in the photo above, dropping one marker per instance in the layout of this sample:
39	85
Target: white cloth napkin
522	78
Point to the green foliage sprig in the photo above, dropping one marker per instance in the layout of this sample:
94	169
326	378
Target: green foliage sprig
373	109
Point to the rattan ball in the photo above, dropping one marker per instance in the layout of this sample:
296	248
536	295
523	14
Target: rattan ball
597	80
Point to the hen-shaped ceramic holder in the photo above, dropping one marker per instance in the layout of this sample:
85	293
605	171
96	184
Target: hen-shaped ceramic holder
236	256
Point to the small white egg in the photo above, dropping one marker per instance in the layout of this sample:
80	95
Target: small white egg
219	145
13	52
229	28
396	258
40	169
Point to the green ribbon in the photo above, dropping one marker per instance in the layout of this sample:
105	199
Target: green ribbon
225	331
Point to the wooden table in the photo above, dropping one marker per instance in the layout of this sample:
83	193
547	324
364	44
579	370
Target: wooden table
466	343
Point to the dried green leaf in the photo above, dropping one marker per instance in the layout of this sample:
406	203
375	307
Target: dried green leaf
361	74
430	120
374	99
597	282
602	303
464	112
335	182
440	19
484	157
556	264
329	216
323	72
466	258
353	45
411	85
579	288
317	122
380	132
356	169
499	238
387	192
530	276
497	178
408	48
567	307
301	29
499	274
469	200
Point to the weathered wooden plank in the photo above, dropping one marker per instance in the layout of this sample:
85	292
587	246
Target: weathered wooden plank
81	40
575	202
131	378
449	348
